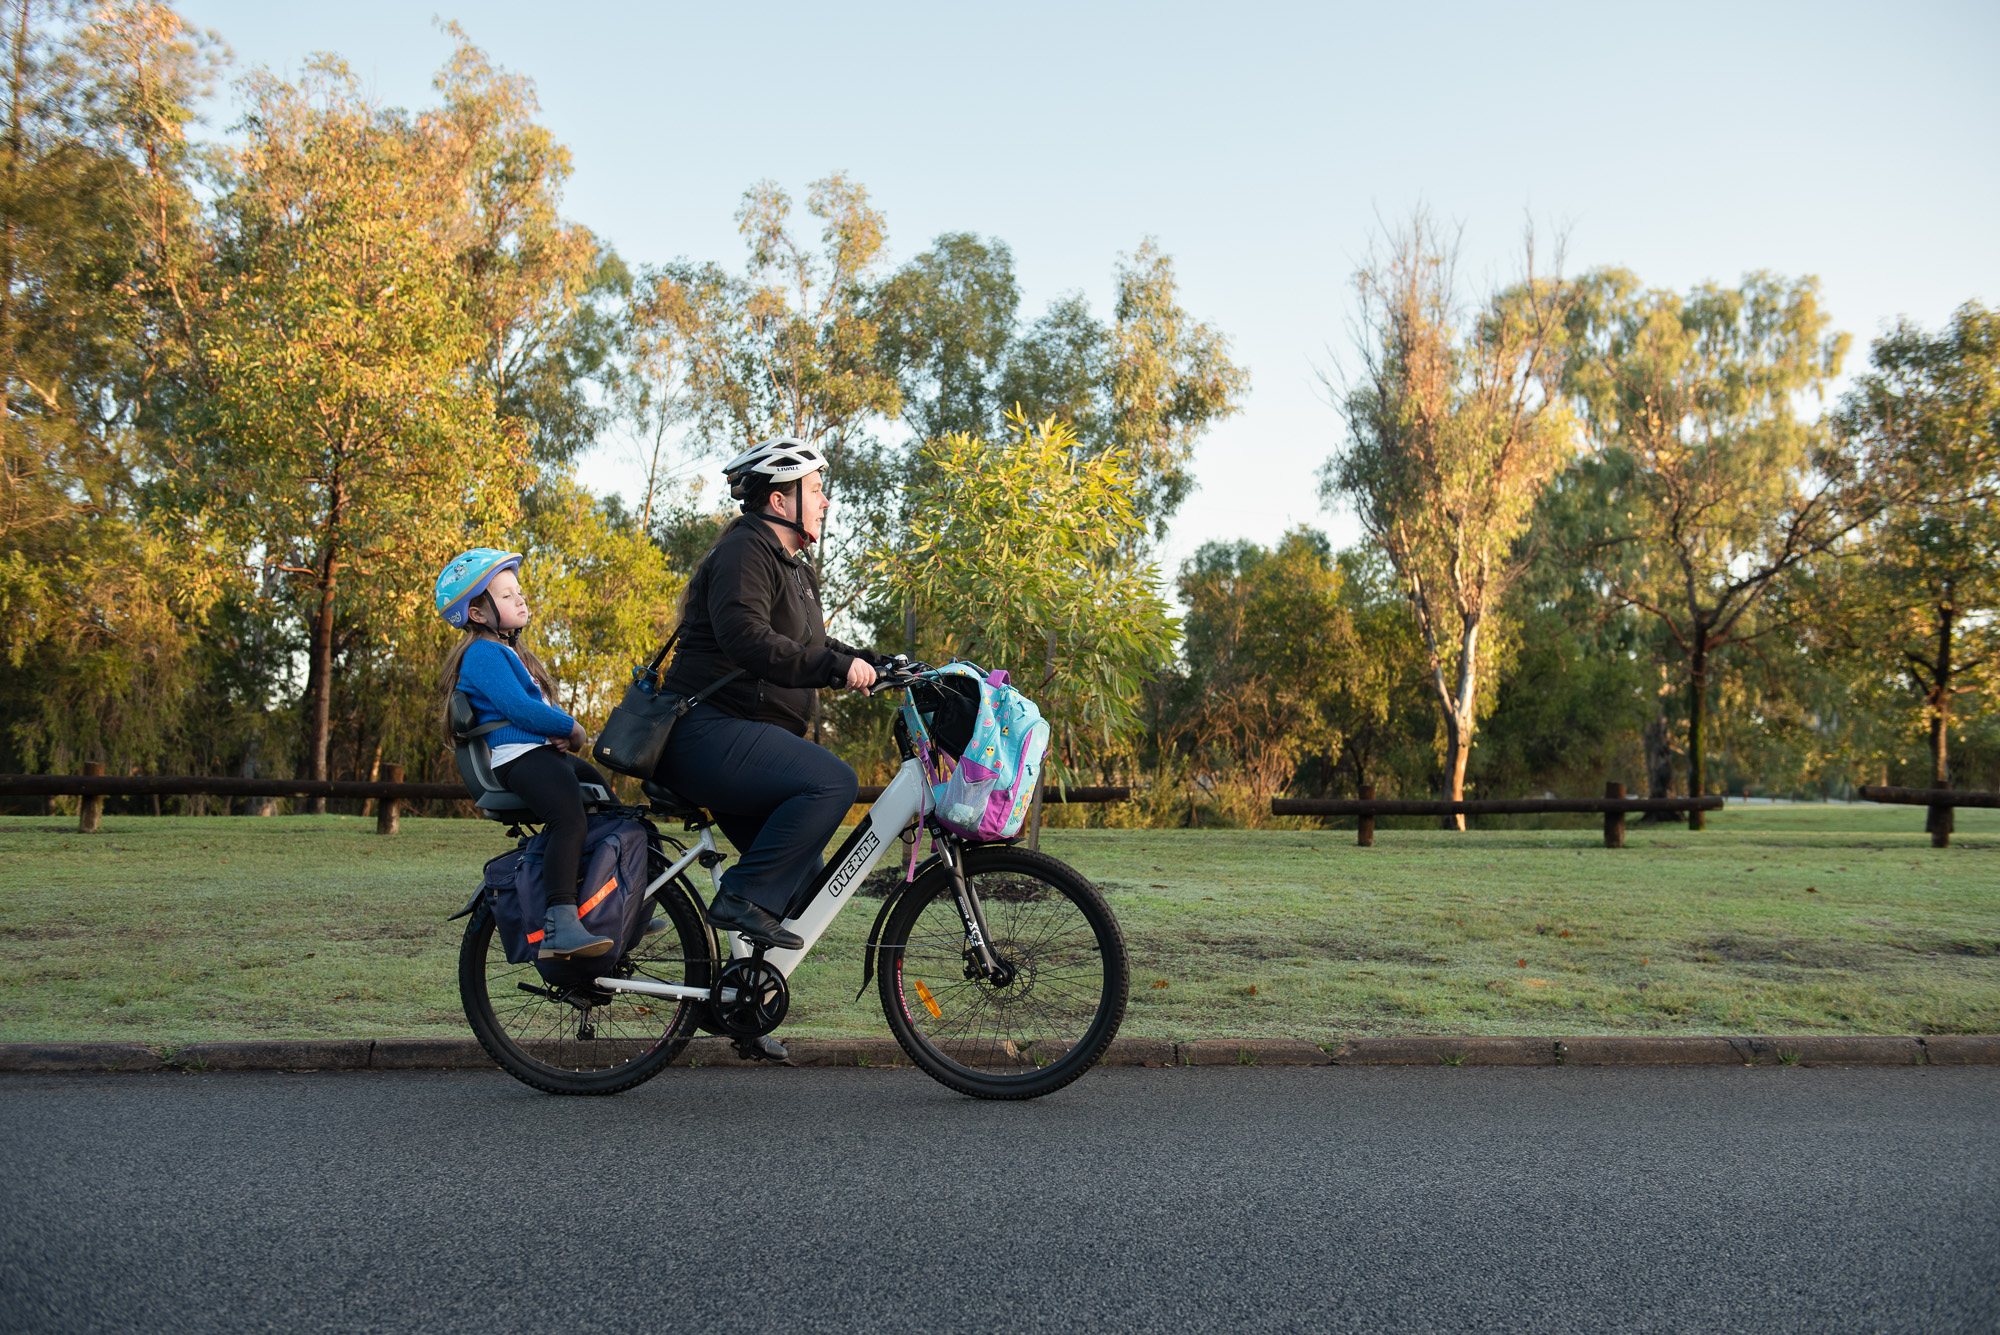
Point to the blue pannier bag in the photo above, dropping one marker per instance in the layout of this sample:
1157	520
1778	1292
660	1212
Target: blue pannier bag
610	900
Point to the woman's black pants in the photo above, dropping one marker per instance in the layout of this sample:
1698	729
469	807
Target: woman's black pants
548	779
776	795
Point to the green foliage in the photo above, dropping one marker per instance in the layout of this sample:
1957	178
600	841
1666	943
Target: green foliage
535	286
97	613
1151	384
330	429
1719	490
946	320
1057	369
603	598
1017	556
1268	644
1928	413
1170	380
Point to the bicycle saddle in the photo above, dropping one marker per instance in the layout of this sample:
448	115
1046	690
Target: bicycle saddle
668	802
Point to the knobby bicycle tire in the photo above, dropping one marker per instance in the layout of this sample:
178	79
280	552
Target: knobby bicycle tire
535	1030
1054	1018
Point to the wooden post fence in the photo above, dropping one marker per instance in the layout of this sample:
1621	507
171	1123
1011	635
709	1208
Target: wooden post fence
93	785
90	809
1368	807
1940	803
386	809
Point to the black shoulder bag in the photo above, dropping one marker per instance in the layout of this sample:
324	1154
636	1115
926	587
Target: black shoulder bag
637	731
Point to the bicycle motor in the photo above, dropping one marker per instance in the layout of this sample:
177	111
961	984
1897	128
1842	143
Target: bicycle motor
757	997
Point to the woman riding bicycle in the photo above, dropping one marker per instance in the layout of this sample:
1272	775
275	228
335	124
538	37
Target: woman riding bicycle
753	608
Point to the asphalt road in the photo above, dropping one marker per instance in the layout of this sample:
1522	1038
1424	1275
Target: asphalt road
776	1201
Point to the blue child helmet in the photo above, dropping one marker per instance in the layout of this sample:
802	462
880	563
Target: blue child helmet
466	576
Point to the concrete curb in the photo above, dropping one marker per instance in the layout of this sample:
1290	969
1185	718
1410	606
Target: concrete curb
1690	1050
453	1054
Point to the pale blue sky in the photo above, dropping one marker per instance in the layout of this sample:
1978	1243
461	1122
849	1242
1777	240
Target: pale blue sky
1260	143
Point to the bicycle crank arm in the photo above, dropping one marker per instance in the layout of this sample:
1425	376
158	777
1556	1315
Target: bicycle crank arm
652	989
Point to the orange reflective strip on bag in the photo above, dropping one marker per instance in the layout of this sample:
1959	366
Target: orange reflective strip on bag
595	899
534	937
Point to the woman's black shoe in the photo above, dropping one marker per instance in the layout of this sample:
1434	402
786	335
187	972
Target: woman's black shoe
733	913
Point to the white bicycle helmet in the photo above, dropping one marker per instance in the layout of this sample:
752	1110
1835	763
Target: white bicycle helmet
776	461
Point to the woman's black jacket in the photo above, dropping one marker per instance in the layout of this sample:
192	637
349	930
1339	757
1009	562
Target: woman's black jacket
753	605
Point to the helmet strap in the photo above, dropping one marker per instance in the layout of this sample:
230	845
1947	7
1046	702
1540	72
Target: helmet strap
484	601
798	504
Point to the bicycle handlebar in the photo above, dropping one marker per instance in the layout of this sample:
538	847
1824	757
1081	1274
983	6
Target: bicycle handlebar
900	672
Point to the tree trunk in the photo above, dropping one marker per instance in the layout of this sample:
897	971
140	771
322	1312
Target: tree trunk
1457	750
1659	756
1939	702
319	679
1458	719
7	239
1697	716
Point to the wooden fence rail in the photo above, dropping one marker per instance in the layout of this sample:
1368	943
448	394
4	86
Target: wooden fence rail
1941	801
1050	793
1614	805
94	785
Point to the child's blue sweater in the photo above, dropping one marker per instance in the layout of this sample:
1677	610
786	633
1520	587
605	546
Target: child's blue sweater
497	682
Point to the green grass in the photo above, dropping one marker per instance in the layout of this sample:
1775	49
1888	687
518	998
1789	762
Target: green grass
1806	919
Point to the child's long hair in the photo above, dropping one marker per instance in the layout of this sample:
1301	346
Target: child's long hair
476	630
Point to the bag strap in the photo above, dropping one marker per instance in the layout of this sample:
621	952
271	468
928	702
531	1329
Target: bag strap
707	691
650	674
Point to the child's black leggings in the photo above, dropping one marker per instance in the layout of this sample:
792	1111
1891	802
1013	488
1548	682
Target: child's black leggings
547	779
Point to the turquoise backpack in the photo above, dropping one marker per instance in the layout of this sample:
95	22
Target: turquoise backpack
988	794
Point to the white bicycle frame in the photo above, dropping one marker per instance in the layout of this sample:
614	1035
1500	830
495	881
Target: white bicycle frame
890	814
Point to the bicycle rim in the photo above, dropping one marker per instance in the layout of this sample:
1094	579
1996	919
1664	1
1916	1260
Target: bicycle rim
583	1040
1057	1013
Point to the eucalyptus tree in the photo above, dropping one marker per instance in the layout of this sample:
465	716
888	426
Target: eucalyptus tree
1455	425
1056	368
945	321
332	427
1170	381
1271	656
1720	490
789	347
1152	382
540	289
1928	411
97	176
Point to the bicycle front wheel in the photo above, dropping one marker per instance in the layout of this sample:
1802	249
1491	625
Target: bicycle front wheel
578	1039
1042	1026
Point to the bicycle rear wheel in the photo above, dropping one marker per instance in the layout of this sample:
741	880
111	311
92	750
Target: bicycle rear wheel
1049	1021
582	1040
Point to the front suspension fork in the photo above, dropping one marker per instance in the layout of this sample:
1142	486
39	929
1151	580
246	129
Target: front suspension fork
971	912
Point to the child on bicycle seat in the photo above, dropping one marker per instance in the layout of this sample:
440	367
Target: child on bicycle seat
533	755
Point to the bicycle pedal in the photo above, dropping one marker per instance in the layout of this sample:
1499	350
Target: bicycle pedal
763	1048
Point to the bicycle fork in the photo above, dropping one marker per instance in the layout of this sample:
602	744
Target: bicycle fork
979	952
